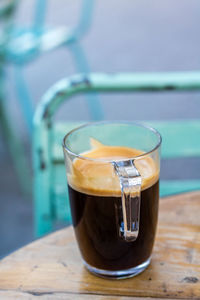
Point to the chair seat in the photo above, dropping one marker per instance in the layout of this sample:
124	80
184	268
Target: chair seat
173	134
180	138
171	187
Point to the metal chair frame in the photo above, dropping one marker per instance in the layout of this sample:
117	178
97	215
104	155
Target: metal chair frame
179	137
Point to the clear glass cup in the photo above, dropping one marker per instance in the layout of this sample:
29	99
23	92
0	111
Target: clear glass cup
113	182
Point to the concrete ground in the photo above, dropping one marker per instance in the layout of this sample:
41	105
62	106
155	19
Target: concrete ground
125	36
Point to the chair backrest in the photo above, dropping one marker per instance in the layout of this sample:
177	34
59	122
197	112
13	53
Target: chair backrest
50	179
28	43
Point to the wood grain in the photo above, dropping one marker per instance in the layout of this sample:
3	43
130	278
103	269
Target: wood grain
63	296
51	267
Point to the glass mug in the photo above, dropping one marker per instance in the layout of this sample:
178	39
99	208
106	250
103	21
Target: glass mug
113	182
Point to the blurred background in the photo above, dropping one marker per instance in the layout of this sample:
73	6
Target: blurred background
124	36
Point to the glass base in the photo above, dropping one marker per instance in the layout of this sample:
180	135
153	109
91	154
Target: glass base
121	274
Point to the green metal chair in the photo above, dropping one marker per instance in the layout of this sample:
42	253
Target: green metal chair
180	138
7	126
28	43
21	45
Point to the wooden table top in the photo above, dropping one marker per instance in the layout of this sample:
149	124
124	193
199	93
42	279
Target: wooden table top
51	267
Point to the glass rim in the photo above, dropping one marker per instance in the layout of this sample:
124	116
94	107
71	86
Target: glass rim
138	124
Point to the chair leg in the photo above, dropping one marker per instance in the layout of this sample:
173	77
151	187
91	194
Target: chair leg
23	170
82	66
43	216
24	98
43	222
43	219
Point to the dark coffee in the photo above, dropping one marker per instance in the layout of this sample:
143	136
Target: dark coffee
97	221
95	199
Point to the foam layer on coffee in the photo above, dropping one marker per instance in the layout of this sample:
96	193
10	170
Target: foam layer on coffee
99	178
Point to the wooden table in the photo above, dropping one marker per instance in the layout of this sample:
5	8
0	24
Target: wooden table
51	267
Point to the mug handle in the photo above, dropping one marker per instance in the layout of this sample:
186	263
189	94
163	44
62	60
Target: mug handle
130	183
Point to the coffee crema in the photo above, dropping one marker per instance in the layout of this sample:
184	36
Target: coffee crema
95	174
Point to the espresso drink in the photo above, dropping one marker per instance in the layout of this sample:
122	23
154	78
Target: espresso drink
95	199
